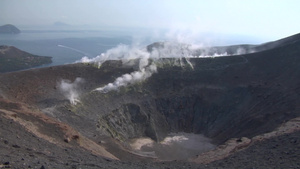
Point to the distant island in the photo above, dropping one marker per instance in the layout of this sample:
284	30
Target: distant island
14	59
9	29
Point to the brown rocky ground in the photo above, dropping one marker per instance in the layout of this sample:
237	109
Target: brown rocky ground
248	105
23	149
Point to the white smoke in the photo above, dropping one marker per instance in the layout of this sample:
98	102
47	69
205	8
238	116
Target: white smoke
123	52
126	54
146	69
192	40
179	51
98	59
71	89
240	51
182	52
132	78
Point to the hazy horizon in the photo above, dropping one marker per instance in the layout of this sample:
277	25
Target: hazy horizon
265	20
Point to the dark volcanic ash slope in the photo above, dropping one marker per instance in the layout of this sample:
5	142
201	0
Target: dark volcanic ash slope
221	98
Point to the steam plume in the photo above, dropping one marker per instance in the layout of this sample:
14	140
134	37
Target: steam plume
180	51
125	53
126	79
71	89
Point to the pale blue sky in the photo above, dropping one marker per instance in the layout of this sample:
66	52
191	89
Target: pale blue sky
271	19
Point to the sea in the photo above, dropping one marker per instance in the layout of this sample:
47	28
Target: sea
65	47
69	46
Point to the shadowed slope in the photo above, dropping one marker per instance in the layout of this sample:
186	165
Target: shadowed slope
221	98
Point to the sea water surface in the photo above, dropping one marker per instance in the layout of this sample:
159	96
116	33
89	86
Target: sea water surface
64	46
68	46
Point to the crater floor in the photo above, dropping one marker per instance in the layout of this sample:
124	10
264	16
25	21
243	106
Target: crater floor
229	112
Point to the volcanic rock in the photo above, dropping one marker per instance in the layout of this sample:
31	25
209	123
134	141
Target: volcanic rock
247	105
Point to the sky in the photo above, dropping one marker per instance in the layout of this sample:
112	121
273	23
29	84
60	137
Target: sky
269	19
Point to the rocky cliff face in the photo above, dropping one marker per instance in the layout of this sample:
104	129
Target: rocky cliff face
222	98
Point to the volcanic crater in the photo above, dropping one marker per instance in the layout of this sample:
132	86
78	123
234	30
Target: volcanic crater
199	116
